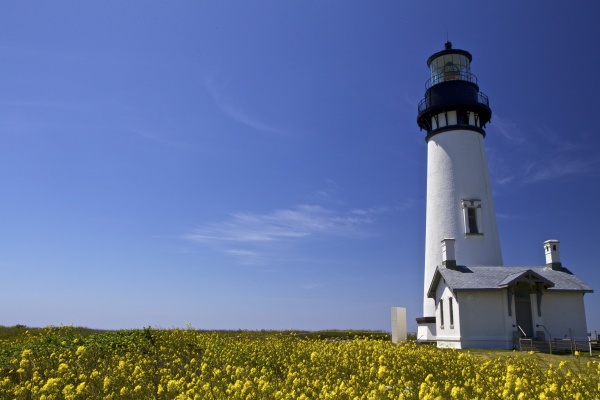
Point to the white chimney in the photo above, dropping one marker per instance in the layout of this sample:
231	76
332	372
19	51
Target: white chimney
551	248
448	256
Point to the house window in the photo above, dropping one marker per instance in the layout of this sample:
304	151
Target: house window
472	216
451	312
442	313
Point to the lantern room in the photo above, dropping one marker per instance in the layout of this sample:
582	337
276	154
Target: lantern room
450	65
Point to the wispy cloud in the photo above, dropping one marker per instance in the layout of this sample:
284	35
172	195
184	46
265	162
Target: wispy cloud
405	204
292	223
249	237
558	142
504	216
560	157
556	168
311	286
247	257
328	193
231	109
553	156
505	180
508	130
154	137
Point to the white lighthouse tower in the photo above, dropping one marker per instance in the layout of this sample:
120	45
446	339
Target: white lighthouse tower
459	195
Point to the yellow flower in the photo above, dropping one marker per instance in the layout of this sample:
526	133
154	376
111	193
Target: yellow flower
81	388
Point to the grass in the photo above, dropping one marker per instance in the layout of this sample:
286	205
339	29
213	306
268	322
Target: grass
14	332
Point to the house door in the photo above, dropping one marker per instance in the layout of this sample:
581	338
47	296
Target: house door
523	312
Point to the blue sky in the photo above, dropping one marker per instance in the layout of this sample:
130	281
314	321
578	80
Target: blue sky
257	165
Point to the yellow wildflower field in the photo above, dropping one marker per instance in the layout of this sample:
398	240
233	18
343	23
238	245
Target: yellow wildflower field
60	363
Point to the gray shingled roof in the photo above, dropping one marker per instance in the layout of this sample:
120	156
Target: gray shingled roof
495	278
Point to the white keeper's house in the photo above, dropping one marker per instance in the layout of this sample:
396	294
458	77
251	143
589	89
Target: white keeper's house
470	298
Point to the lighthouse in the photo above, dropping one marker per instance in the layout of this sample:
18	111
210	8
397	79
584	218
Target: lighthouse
470	299
460	219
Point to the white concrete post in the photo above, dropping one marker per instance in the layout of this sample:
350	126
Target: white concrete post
399	333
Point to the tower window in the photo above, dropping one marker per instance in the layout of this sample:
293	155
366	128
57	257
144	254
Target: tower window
472	216
472	219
